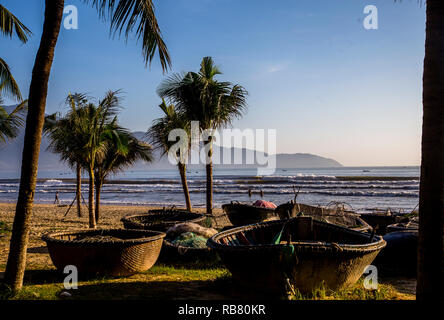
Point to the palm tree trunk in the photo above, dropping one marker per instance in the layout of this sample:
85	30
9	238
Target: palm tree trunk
209	169
98	190
15	268
431	194
92	217
183	177
79	189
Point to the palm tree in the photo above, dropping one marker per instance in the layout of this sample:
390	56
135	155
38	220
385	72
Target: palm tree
126	16
65	140
10	25
159	133
98	124
202	98
431	197
88	137
123	151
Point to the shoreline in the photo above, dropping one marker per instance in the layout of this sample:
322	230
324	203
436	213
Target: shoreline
247	179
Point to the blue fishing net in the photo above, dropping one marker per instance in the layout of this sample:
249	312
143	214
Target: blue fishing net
191	240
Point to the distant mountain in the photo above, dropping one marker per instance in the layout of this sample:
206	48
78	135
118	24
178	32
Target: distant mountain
10	158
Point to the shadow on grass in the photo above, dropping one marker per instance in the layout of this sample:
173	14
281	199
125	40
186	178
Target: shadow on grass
45	276
221	289
197	265
36	277
115	288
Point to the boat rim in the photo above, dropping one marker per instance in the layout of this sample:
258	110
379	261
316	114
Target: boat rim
145	236
373	246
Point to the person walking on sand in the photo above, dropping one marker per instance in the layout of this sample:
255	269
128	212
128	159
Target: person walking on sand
56	200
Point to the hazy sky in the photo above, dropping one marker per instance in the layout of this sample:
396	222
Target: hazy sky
329	86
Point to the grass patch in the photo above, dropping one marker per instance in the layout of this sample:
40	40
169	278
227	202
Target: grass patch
166	282
4	228
160	282
355	292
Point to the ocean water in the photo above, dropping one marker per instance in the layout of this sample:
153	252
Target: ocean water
362	188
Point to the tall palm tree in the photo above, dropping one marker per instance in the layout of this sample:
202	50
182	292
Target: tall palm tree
97	126
126	16
431	196
213	103
65	139
159	137
123	150
10	25
88	137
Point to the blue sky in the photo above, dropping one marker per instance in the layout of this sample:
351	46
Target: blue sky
329	86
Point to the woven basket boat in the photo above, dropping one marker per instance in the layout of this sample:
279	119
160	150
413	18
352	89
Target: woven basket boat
161	220
241	214
403	226
338	216
318	253
116	252
399	257
380	220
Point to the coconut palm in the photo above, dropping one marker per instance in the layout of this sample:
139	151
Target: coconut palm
88	137
159	137
65	140
431	197
10	25
97	125
214	104
126	17
123	150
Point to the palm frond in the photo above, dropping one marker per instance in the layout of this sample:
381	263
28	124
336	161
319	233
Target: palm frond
11	122
159	133
200	97
123	150
10	24
136	16
8	85
208	69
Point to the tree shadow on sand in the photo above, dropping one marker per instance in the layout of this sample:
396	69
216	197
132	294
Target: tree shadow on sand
41	249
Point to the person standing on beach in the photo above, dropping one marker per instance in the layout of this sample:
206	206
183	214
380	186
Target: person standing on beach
56	200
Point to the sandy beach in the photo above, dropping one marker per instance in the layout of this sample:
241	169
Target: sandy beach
47	218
